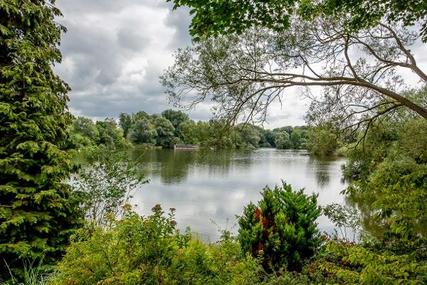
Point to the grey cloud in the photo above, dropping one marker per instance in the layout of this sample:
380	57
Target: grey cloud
180	19
109	105
104	6
146	95
131	39
103	46
95	55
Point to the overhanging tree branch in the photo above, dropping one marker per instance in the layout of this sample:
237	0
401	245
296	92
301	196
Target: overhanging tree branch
243	73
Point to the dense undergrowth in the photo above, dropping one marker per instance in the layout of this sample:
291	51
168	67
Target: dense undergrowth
150	250
278	243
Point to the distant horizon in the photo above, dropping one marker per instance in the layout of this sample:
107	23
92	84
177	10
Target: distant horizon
116	119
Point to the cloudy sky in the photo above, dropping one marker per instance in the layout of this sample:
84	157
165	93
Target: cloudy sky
114	52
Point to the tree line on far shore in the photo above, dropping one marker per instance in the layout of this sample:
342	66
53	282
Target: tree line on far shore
175	127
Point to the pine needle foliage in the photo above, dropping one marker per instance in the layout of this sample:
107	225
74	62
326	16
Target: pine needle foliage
37	212
281	230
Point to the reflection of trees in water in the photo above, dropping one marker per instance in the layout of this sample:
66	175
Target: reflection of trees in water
220	162
369	217
322	178
321	170
376	215
173	166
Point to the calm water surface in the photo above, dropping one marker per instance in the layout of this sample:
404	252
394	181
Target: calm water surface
208	189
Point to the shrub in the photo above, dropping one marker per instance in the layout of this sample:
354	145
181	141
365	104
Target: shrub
131	251
348	263
281	230
150	250
106	184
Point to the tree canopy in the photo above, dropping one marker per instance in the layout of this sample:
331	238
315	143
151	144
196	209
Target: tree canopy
37	212
360	72
388	178
212	17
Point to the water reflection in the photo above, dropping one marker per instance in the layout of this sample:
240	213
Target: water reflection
321	169
378	211
207	186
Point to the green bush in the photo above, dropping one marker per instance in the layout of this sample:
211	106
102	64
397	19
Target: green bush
150	250
388	182
348	263
281	230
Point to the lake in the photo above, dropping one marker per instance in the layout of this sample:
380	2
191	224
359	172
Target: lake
209	188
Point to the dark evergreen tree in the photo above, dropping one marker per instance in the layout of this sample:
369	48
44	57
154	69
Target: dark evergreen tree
281	230
37	211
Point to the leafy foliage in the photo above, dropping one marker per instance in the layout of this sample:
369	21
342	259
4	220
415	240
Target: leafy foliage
150	250
175	127
388	176
108	134
346	220
125	121
37	211
165	132
106	185
282	229
346	263
84	134
322	140
282	140
290	137
225	17
142	131
245	74
177	118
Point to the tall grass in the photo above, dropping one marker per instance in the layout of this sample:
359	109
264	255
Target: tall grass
32	274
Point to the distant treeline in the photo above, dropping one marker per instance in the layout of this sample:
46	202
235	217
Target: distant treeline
175	127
